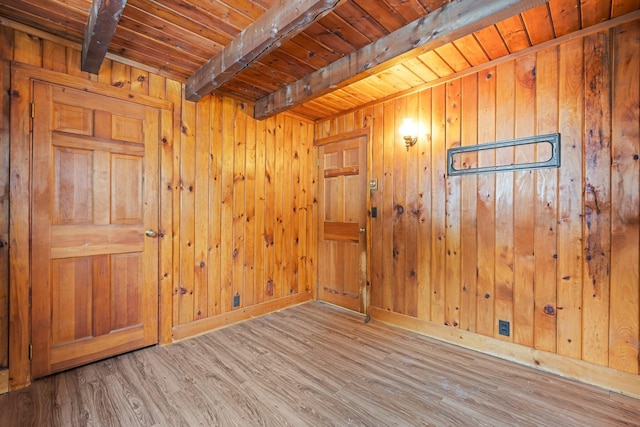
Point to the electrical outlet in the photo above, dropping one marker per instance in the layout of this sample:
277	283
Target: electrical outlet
503	328
236	300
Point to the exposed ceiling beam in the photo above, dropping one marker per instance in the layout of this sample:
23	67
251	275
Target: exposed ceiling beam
452	21
101	26
281	22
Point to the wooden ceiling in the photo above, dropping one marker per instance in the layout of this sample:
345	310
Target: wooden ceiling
176	38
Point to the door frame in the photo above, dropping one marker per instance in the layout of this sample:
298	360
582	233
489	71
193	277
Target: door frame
317	143
20	158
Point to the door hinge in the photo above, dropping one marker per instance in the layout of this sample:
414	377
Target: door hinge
32	108
318	162
30	351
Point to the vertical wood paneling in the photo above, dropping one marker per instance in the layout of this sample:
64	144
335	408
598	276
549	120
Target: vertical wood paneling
280	180
546	207
226	216
597	203
624	334
504	231
121	75
217	191
54	56
553	251
377	172
486	203
524	191
299	206
139	81
453	279
19	266
248	299
469	206
246	215
570	201
187	212
160	88
312	230
387	208
412	214
73	61
174	93
260	210
311	212
400	226
215	211
423	310
438	203
239	192
5	85
287	211
104	74
571	96
201	206
270	219
296	193
27	49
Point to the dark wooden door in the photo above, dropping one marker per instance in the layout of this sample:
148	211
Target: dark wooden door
342	266
94	268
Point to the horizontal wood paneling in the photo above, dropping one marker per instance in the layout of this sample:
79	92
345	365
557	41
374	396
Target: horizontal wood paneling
554	252
226	194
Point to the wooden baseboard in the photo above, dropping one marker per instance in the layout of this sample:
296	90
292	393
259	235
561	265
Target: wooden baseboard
4	381
600	376
199	327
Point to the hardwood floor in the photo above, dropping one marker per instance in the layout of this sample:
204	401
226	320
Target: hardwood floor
312	364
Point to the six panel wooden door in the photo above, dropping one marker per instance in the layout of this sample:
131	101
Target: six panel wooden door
342	256
94	271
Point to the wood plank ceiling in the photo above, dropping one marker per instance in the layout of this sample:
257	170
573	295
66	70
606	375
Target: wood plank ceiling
177	37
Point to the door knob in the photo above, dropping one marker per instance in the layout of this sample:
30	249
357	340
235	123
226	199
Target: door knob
151	233
361	230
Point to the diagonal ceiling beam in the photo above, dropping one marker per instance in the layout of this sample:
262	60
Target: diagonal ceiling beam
278	24
452	21
101	26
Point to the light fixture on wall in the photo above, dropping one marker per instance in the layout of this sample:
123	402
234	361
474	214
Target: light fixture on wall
409	132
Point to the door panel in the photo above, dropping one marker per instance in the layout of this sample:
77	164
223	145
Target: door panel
342	206
94	272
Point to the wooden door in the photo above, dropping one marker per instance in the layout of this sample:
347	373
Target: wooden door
94	271
342	256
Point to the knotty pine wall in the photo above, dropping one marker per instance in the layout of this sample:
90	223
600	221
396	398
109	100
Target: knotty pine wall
236	202
555	252
244	206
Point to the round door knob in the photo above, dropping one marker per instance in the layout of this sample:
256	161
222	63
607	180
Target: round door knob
361	230
151	233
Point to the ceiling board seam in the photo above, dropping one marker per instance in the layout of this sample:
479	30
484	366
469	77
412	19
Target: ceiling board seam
603	26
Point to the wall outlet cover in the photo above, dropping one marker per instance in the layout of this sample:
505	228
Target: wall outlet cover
504	328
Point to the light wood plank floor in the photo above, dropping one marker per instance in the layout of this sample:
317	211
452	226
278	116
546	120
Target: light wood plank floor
311	365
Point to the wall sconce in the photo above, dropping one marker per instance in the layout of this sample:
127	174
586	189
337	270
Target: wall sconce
409	132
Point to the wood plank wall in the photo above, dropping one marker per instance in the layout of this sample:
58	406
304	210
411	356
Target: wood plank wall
555	252
244	200
5	82
236	197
